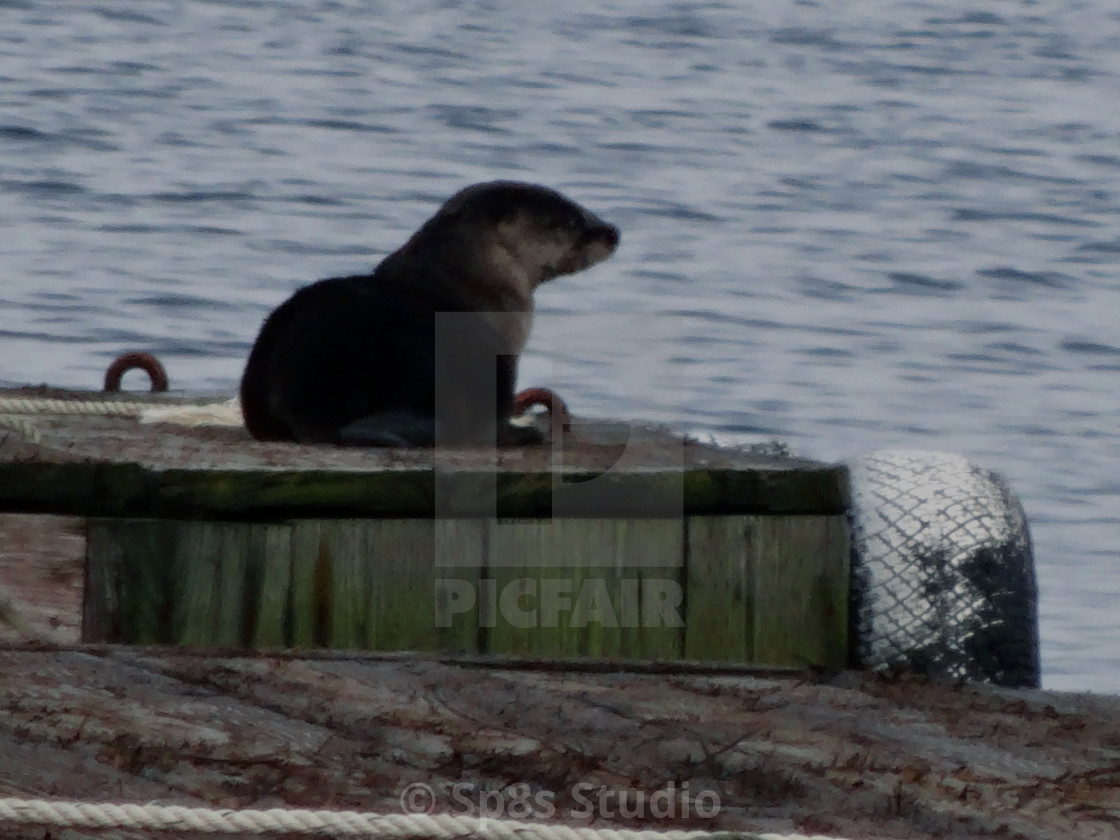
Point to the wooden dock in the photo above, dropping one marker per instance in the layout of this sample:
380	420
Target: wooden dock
107	519
626	542
847	755
815	752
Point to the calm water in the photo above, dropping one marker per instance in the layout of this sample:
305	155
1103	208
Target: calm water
884	224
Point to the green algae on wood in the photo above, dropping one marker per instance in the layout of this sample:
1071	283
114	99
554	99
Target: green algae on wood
206	537
132	490
592	587
760	589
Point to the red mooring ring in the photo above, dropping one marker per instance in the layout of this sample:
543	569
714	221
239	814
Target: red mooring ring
559	418
145	361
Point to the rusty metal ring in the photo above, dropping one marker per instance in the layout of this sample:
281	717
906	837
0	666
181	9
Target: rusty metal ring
127	361
559	417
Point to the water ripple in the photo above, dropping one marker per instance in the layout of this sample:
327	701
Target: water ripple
849	226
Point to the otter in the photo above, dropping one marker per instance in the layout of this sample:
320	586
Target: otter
371	360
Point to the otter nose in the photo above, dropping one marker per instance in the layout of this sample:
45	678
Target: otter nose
600	231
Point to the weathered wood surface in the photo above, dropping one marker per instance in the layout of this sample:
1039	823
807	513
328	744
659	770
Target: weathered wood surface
762	589
848	755
42	563
851	756
117	466
204	536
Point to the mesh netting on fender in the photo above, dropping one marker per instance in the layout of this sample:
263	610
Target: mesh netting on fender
943	576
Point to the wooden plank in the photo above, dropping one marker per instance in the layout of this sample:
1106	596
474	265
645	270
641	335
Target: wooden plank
43	572
800	568
858	756
721	589
310	568
101	609
270	561
344	550
131	490
566	587
169	581
422	569
211	562
801	489
376	580
771	590
134	563
649	588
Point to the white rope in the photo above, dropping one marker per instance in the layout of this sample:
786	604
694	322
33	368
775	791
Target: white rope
14	411
226	413
21	426
44	405
100	815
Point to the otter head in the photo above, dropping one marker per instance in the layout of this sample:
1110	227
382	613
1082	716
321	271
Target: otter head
503	239
529	233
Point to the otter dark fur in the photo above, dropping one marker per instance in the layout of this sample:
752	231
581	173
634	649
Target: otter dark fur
365	360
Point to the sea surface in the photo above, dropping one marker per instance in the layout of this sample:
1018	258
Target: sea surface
850	226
